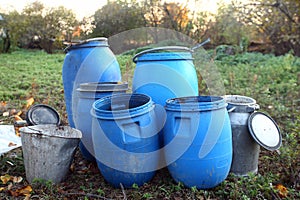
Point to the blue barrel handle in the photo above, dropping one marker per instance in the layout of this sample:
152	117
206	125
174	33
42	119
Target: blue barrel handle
166	48
172	48
201	44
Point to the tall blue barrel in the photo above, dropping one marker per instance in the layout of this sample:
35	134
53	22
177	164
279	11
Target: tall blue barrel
125	138
165	72
87	61
198	141
88	93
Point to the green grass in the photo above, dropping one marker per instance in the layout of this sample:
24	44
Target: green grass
272	81
29	73
25	74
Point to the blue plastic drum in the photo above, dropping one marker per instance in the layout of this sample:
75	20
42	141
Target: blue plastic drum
165	72
87	61
88	93
125	137
198	141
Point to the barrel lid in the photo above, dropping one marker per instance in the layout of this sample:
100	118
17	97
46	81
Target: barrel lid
264	131
164	53
89	43
42	114
103	86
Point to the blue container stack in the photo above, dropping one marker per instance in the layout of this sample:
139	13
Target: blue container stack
164	122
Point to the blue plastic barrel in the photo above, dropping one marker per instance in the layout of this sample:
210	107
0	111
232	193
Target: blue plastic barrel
125	139
198	141
165	72
87	61
88	93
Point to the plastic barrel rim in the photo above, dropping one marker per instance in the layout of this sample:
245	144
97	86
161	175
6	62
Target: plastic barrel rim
113	107
195	103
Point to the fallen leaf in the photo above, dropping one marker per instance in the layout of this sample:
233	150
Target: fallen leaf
282	191
83	170
27	197
12	111
11	144
17	130
17	179
29	101
5	178
72	167
25	191
13	193
10	185
17	118
3	104
19	113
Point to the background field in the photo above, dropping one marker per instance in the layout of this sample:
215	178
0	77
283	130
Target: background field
273	81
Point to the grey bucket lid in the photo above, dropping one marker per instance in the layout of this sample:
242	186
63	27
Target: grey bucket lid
264	131
42	114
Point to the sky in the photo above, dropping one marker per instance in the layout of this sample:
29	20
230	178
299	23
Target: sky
85	7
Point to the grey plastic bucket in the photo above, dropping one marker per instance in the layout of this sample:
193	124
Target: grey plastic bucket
245	148
48	151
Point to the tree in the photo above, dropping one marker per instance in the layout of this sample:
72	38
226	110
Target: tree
40	27
153	12
226	28
59	23
17	24
201	25
4	35
33	25
116	17
277	20
175	16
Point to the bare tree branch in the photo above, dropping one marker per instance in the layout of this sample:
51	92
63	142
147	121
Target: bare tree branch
279	5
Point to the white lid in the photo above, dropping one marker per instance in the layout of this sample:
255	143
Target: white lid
264	131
